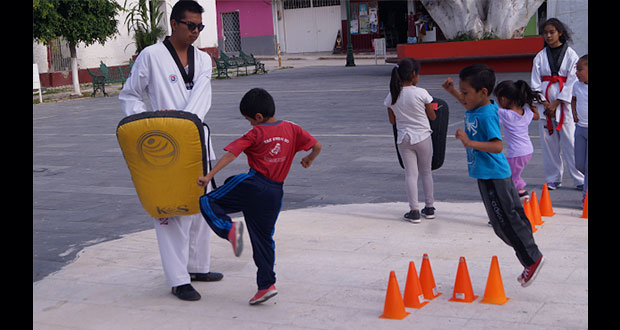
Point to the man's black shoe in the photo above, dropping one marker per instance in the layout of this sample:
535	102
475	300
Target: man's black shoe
186	292
206	277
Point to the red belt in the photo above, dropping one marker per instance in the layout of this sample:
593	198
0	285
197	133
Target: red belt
553	80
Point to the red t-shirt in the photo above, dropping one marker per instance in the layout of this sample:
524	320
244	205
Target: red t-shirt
270	148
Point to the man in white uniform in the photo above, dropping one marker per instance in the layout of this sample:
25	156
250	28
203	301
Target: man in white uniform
177	76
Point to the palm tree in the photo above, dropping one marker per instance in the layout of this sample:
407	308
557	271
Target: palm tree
145	22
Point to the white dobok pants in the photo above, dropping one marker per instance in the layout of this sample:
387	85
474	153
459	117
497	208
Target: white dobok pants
184	246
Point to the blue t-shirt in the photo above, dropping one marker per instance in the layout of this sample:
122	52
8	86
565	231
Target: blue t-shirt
482	124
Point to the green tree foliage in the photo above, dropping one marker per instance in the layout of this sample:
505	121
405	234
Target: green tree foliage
75	21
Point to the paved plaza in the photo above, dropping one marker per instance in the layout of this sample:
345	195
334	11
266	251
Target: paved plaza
95	259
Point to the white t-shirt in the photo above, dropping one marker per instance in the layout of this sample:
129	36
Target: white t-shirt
580	91
410	113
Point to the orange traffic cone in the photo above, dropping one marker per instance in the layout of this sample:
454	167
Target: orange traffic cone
494	291
584	214
535	210
427	280
546	210
463	292
528	213
413	289
394	307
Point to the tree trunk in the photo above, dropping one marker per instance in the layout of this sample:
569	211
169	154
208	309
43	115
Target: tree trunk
504	19
74	70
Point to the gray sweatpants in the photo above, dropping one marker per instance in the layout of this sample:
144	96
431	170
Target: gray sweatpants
508	219
417	160
581	154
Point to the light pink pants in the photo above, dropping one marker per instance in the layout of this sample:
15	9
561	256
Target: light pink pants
517	164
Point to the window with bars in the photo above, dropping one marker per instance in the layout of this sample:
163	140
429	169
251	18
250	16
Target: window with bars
230	30
296	4
59	55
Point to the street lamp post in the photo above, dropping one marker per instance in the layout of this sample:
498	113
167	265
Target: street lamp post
350	60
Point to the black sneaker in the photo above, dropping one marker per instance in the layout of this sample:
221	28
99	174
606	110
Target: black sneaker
186	292
206	277
428	212
412	216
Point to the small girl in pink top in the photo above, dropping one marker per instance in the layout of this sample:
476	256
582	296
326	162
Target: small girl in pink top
515	114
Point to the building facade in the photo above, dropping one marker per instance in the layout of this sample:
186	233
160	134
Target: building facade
54	60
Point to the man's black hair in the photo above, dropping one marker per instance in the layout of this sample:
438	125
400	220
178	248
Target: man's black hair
479	76
257	100
179	9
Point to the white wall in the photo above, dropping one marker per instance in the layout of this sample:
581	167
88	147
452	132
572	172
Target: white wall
574	14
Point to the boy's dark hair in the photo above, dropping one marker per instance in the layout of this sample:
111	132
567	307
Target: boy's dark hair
257	100
402	73
565	37
518	93
179	9
479	76
584	59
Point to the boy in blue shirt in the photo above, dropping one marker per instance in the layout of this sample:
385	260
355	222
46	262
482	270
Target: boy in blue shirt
486	162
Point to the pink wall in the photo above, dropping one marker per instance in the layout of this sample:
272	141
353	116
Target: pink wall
255	16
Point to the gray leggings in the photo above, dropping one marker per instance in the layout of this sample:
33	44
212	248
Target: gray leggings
581	154
417	160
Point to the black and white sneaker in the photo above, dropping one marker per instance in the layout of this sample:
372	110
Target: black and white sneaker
412	216
428	212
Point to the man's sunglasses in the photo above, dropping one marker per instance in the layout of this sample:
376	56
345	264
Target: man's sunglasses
191	26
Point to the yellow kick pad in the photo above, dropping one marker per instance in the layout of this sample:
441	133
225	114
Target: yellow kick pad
165	153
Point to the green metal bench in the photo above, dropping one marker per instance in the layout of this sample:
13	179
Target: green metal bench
252	61
231	62
222	68
106	75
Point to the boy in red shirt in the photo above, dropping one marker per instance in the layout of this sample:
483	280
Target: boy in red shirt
270	147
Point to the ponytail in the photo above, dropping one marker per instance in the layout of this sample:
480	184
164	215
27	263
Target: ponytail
518	93
396	85
526	94
402	73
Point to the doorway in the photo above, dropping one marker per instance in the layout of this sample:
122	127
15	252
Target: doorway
393	17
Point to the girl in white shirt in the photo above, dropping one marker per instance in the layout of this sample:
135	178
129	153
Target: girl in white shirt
409	107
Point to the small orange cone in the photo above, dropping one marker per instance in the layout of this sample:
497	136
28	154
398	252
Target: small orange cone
494	291
413	289
584	214
394	307
427	280
546	210
528	213
535	210
463	292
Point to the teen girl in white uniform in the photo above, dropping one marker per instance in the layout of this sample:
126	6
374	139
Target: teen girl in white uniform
554	80
184	241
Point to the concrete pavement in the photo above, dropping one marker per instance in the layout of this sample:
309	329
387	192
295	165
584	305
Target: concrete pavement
348	205
332	266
